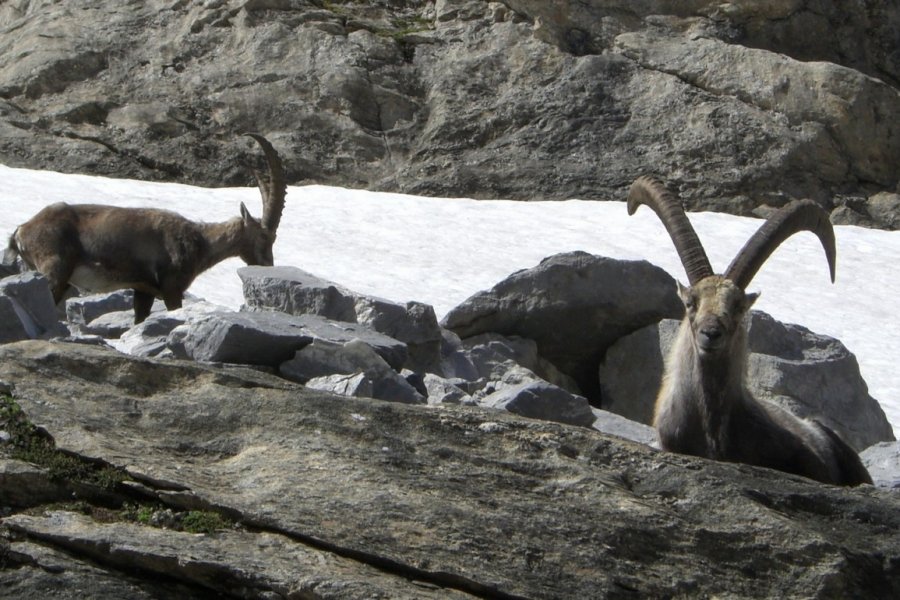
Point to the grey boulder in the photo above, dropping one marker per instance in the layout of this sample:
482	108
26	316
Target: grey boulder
296	292
542	400
27	310
574	306
270	338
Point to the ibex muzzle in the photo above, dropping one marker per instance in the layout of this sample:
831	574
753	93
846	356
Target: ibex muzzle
157	253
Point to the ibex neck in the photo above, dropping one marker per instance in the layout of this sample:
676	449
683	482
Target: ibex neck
223	240
720	394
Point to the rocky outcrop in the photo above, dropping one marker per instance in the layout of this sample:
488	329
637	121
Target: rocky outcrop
574	306
808	374
296	292
27	310
351	498
738	105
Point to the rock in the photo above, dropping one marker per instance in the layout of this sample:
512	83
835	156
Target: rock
392	387
632	370
163	332
542	400
153	336
324	357
438	501
414	324
27	310
296	292
735	104
23	485
814	376
614	424
256	563
39	571
882	460
356	385
110	325
12	329
81	310
331	360
7	270
848	100
494	356
574	306
884	208
444	391
272	338
808	374
455	361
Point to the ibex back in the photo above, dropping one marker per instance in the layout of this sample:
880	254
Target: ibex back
703	406
157	253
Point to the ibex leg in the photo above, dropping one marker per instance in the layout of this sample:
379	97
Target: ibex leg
143	302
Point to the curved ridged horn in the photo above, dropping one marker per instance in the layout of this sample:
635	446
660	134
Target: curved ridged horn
799	215
273	187
648	191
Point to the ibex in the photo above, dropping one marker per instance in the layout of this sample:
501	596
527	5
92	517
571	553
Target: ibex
157	253
703	407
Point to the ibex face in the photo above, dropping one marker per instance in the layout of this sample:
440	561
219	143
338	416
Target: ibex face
257	241
715	309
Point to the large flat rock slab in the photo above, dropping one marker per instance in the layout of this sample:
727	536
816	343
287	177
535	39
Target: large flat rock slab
475	500
256	563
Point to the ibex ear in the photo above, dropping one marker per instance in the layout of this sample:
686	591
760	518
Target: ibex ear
683	292
245	214
749	299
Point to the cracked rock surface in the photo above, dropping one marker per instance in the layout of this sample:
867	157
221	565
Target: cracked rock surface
739	106
348	498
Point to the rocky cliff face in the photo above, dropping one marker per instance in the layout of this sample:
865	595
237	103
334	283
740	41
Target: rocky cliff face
737	105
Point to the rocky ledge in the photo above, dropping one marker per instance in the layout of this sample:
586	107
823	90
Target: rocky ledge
314	495
327	444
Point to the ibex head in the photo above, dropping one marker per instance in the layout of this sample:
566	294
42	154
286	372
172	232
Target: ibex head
259	234
715	305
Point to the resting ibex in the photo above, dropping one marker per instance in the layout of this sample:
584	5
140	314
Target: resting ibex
703	407
156	252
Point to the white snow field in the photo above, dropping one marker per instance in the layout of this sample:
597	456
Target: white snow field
442	250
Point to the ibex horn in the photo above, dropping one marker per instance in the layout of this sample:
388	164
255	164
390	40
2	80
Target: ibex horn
799	215
648	191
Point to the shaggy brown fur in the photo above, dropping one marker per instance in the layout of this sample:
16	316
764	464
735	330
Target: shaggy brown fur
703	407
156	253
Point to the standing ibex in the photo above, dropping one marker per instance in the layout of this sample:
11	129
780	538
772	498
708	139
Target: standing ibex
703	407
156	252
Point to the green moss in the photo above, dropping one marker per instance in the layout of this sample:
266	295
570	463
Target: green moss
157	515
26	442
200	521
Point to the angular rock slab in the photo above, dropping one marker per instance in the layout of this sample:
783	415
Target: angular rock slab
27	310
258	564
82	310
542	400
269	338
810	375
35	572
485	501
574	305
328	364
297	292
